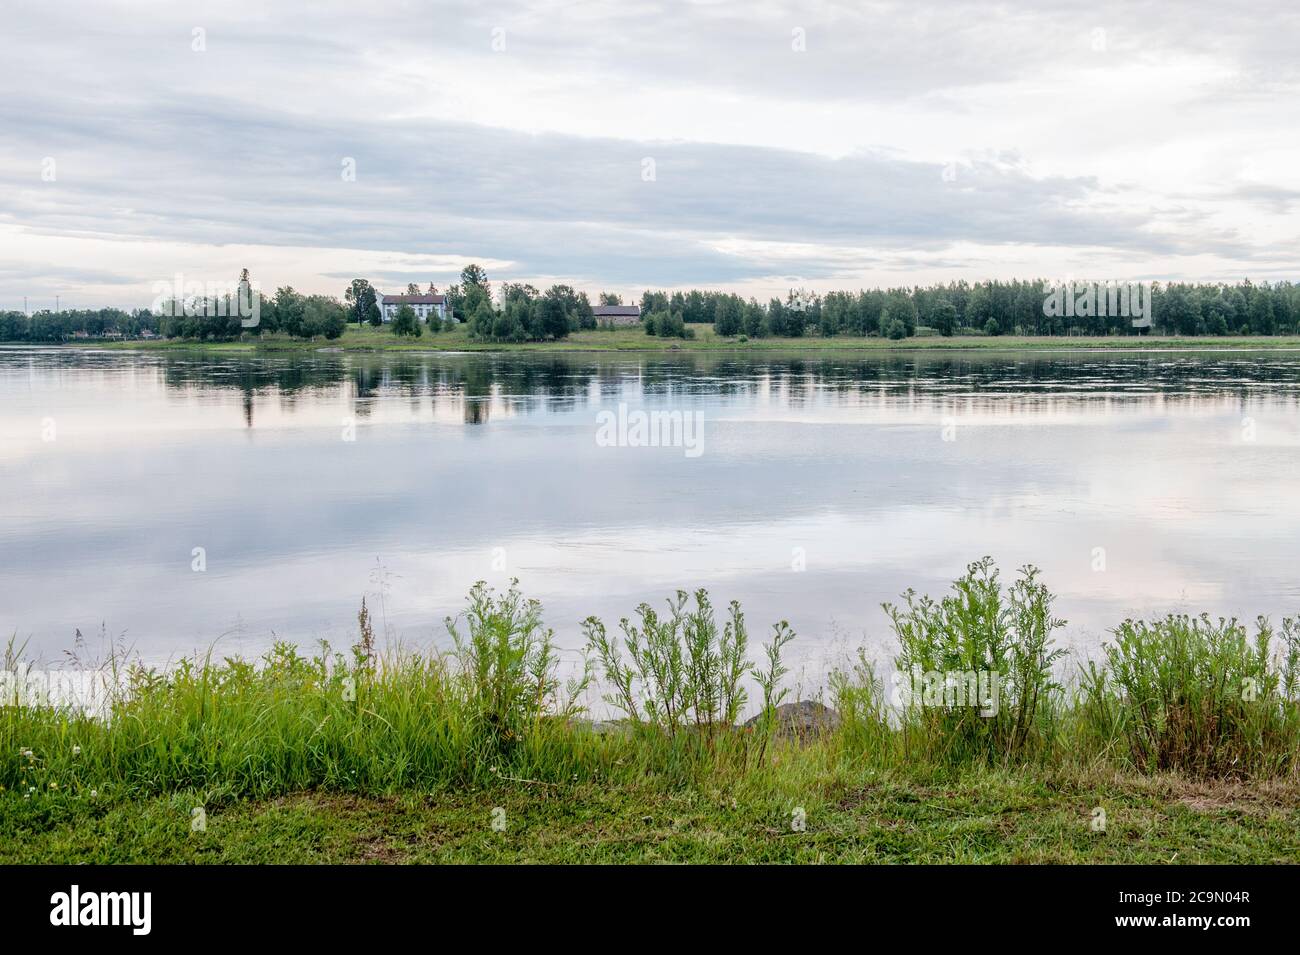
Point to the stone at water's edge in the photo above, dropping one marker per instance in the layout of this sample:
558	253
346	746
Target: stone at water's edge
805	718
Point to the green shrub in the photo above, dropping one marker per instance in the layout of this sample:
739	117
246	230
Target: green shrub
1198	696
407	323
1002	641
682	670
508	665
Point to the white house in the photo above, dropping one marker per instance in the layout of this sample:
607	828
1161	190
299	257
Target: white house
423	305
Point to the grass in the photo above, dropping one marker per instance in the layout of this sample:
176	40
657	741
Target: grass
974	817
367	338
1184	694
1180	739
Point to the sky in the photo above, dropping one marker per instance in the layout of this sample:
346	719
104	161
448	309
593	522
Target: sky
752	147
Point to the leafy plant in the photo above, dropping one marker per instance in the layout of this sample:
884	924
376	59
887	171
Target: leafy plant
508	663
979	636
680	669
1199	696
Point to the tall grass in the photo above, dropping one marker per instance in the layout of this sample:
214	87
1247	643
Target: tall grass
681	684
1199	696
982	638
1180	694
508	665
682	670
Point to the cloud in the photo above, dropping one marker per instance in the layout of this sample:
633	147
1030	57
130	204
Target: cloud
520	134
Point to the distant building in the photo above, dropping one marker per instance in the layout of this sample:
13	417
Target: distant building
617	314
423	305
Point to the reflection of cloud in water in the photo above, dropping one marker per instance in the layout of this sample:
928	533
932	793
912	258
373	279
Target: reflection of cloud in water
1054	456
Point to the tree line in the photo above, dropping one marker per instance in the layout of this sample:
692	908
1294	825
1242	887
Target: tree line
985	308
200	318
517	312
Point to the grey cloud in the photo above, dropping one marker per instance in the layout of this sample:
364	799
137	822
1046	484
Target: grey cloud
244	143
222	173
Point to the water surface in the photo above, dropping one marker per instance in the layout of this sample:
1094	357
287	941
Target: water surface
824	486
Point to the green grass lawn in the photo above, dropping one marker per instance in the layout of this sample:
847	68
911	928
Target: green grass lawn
979	817
367	338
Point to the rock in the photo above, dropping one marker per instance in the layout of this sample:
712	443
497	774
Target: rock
805	718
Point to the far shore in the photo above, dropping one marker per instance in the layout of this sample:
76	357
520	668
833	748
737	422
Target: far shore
367	339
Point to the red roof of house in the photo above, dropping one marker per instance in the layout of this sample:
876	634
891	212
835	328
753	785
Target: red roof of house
412	299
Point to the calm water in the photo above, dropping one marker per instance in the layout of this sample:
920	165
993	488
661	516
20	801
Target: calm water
1183	467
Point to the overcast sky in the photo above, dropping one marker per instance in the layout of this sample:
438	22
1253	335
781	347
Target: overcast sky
618	146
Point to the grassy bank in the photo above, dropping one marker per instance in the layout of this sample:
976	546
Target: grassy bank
973	817
367	339
1180	744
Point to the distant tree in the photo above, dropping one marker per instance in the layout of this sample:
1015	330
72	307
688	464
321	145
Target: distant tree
517	292
666	324
323	317
653	302
583	316
728	315
1180	311
1217	313
455	299
471	298
837	314
901	309
412	288
360	295
405	322
610	298
1262	321
482	323
506	327
289	307
554	318
803	308
979	306
374	316
776	319
473	274
943	317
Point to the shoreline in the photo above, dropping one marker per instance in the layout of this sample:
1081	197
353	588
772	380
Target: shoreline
368	341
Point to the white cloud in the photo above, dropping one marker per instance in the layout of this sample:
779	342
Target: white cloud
513	134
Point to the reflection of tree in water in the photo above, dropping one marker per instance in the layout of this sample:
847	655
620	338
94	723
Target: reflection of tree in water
365	383
477	410
528	383
282	379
